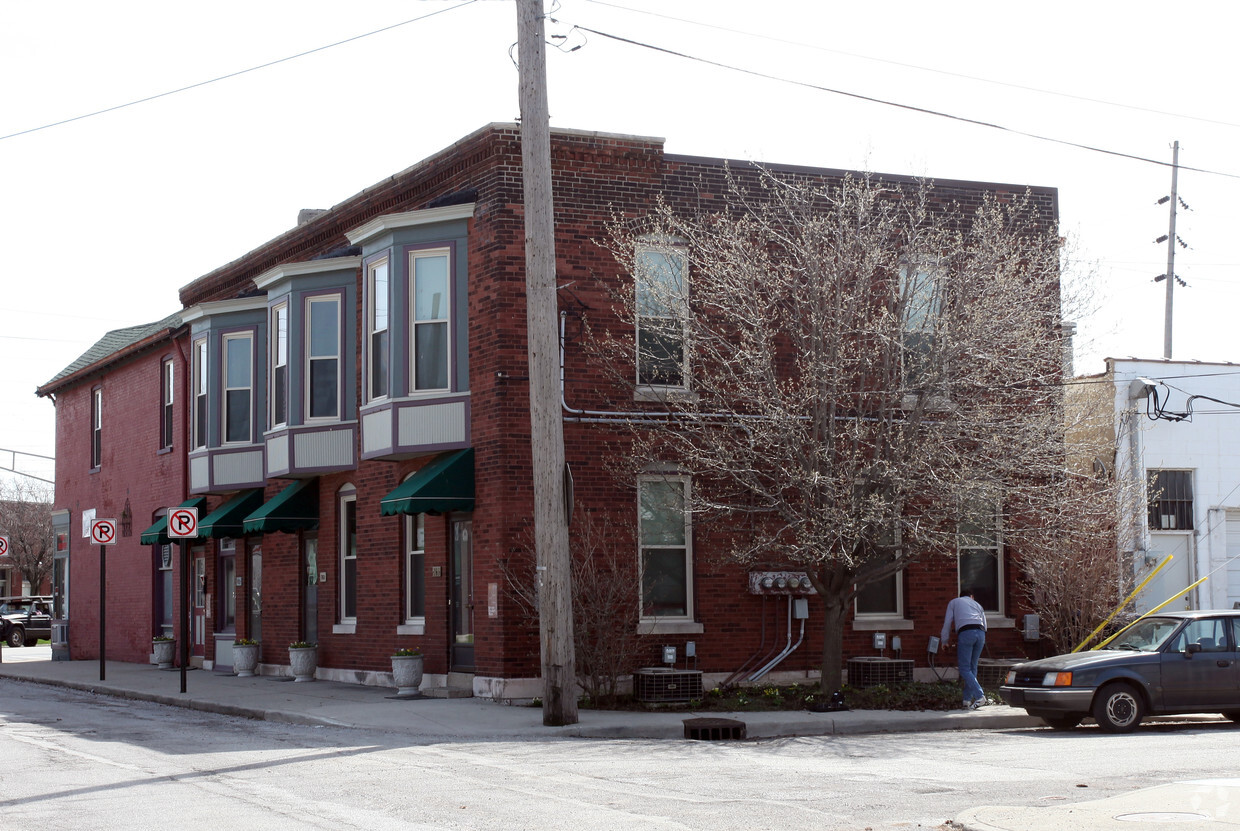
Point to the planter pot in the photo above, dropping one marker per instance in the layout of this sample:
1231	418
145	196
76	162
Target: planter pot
407	673
245	659
304	662
164	652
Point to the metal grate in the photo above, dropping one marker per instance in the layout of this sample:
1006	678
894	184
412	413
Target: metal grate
714	729
654	685
872	671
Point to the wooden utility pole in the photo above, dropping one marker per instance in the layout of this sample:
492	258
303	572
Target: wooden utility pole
1175	170
554	563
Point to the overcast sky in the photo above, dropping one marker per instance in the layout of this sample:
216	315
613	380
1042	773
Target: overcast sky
105	218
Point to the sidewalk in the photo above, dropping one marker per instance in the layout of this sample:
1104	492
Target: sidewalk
1184	805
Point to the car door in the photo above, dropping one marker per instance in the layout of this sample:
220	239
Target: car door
1199	667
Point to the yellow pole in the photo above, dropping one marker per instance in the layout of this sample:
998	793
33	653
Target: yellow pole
1166	602
1127	600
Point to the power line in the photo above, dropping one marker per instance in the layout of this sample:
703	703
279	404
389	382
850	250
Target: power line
235	74
920	68
910	107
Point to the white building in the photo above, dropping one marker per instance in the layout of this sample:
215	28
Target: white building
1176	440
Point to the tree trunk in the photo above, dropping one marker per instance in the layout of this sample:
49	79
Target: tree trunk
834	608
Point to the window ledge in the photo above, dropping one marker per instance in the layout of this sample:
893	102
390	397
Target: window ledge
877	623
411	628
344	629
669	627
649	393
994	621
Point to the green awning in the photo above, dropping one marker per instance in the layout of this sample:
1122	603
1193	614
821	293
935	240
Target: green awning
157	534
445	483
296	508
227	519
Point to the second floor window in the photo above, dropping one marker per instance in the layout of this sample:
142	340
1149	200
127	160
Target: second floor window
96	427
430	279
323	354
920	305
377	328
238	387
279	365
166	400
200	393
980	554
1171	500
661	305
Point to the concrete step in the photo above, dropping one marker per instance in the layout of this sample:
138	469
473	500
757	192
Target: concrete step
459	685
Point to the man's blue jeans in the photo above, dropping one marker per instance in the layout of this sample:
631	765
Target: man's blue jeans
969	645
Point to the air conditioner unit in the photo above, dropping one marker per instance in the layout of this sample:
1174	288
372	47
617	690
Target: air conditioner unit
870	671
654	685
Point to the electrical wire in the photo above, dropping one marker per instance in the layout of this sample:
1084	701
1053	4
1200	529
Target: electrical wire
898	105
234	74
918	67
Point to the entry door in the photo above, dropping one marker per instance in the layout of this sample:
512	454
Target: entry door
462	598
310	589
200	603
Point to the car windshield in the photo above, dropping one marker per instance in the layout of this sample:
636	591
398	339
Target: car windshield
1146	635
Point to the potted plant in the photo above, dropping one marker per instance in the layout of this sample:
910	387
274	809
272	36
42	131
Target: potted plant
164	648
407	671
303	657
245	657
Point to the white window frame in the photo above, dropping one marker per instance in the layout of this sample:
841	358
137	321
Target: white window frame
996	547
898	614
378	325
670	249
279	361
311	358
445	320
167	415
201	415
348	554
96	428
688	616
920	312
415	561
248	337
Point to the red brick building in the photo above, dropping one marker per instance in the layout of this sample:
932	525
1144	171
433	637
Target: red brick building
346	406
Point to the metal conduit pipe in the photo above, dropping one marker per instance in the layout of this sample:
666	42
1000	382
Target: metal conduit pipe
788	650
760	654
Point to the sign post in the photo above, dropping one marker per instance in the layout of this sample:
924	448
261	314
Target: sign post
4	549
183	525
103	534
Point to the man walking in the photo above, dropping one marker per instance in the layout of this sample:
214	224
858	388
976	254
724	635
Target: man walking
969	618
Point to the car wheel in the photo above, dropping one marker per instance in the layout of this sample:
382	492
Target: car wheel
17	637
1062	722
1118	708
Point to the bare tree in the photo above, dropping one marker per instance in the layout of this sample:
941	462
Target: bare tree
26	519
871	375
605	602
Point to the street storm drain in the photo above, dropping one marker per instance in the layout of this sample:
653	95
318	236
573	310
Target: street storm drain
714	729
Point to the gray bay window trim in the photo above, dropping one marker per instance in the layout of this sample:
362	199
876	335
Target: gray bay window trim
304	446
219	466
408	421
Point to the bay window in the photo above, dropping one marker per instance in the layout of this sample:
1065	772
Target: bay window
429	276
323	357
238	387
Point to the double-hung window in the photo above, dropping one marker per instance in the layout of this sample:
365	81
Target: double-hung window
980	554
166	375
664	535
415	560
200	393
348	555
238	387
431	279
662	303
279	365
323	356
96	428
920	303
377	295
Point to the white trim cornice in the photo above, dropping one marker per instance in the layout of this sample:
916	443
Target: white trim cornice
219	307
391	222
285	271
